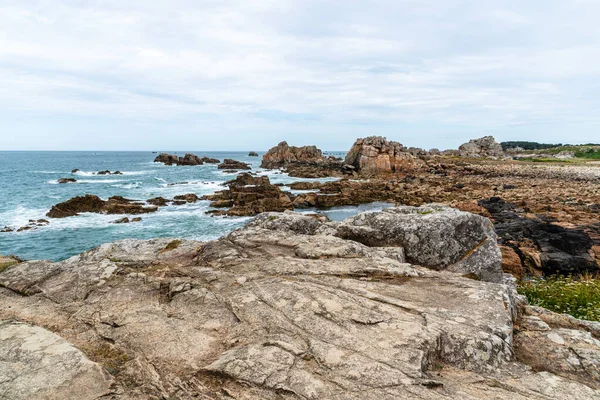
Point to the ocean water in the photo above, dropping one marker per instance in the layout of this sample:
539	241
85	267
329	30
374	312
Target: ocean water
29	188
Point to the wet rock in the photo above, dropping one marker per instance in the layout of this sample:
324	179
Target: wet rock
253	154
158	201
209	160
94	204
122	221
37	364
6	229
375	154
233	165
187	198
249	195
482	147
76	170
67	180
188	159
136	219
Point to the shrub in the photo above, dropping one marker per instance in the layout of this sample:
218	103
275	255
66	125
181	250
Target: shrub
579	297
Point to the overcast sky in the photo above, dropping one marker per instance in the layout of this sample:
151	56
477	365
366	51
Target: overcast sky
242	75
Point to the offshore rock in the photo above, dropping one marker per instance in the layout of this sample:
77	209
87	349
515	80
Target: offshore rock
94	204
234	165
249	195
189	159
375	154
284	309
66	180
253	154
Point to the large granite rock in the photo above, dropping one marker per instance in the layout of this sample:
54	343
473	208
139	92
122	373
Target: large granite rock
249	195
234	165
37	364
482	147
188	159
285	309
375	154
94	204
284	154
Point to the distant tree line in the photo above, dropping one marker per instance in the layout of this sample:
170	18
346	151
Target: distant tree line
528	145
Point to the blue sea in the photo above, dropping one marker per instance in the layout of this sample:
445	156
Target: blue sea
29	188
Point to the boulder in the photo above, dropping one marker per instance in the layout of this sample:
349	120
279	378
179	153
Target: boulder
253	154
37	364
158	201
233	165
67	180
283	309
375	154
76	170
209	160
188	159
187	198
482	147
94	204
284	154
249	195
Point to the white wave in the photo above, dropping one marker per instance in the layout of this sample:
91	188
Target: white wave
159	179
84	173
133	185
20	216
46	172
52	182
100	181
136	172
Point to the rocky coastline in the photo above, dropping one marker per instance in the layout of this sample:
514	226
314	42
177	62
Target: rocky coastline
417	301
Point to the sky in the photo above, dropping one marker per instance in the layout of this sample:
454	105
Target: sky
245	75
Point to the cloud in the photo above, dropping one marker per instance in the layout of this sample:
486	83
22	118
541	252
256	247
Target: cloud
306	66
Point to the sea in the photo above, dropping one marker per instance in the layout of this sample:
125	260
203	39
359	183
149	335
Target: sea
29	188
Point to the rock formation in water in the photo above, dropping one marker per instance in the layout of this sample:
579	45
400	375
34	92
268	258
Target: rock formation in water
482	147
249	195
66	180
253	154
94	204
375	154
233	165
290	308
188	159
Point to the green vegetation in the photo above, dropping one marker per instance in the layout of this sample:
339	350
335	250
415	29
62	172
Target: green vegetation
171	246
589	153
528	145
579	297
545	160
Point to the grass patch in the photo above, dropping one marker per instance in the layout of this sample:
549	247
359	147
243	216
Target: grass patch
579	297
589	154
545	160
425	212
171	246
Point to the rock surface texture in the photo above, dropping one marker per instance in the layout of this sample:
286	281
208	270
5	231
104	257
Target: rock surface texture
304	162
375	154
249	195
288	308
482	147
94	204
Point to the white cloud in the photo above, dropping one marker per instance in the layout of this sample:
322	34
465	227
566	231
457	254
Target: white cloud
452	63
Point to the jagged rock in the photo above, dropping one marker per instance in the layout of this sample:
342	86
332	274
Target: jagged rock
122	221
375	154
94	204
284	154
37	364
302	162
283	309
253	154
188	159
107	172
6	229
209	160
67	180
167	159
305	185
482	147
158	201
249	195
76	170
233	165
186	198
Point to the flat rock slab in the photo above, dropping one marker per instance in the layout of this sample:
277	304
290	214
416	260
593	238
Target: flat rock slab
37	364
